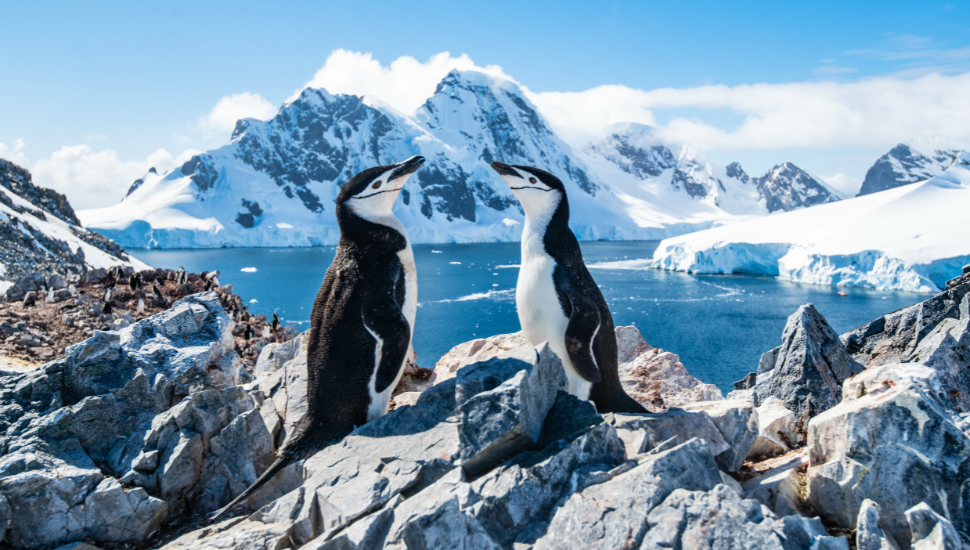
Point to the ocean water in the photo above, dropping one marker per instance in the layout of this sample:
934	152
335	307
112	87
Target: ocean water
719	325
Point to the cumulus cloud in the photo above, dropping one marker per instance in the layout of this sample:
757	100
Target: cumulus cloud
92	179
14	153
871	113
404	84
231	108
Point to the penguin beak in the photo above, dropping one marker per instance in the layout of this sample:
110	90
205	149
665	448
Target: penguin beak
406	168
504	169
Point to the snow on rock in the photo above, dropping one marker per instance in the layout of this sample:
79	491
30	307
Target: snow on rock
915	160
275	183
907	238
40	234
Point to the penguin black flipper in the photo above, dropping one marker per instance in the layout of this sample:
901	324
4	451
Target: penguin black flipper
584	323
385	321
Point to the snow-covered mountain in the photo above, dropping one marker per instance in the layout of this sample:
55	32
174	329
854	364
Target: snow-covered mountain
275	182
907	238
787	187
911	161
40	234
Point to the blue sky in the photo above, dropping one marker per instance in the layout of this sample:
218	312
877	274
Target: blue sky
127	79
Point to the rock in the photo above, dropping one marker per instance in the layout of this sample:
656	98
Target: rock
501	346
882	378
152	407
614	514
869	535
931	530
716	519
898	447
502	404
780	487
406	398
658	381
642	433
778	431
630	344
934	332
274	355
807	371
738	422
801	532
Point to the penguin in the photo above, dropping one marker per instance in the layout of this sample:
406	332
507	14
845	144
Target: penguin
557	299
207	286
248	332
106	308
156	291
362	319
141	307
134	282
276	322
265	331
107	295
50	296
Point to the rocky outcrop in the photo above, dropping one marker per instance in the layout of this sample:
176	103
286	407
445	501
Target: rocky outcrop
806	372
132	429
40	236
894	441
906	163
935	333
654	377
787	187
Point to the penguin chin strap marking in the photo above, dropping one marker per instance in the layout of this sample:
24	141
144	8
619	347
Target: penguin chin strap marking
374	194
527	187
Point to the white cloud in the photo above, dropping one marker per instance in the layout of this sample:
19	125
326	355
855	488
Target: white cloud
92	179
231	108
404	84
14	153
871	113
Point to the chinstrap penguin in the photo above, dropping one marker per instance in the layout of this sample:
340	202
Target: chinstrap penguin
556	297
362	320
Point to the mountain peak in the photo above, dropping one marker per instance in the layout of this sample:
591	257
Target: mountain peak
911	161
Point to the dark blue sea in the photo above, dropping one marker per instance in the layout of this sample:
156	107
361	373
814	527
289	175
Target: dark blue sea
719	325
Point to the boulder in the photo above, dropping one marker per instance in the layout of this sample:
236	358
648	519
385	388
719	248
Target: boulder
502	405
501	346
614	514
658	381
806	372
869	535
715	519
779	487
642	433
935	333
897	447
630	344
931	530
738	422
778	431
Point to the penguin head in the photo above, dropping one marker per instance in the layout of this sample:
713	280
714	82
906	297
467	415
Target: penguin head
539	192
371	193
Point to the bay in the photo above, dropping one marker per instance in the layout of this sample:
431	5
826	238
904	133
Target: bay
719	325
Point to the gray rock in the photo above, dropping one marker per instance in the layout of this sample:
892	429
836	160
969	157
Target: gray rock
876	447
809	368
934	332
778	430
275	356
801	532
181	465
643	432
869	535
716	519
446	527
115	514
931	530
614	514
502	405
778	488
738	422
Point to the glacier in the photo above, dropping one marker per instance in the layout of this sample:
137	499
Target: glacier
911	238
275	182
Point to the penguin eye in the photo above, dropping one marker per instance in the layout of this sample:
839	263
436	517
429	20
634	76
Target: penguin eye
532	180
376	184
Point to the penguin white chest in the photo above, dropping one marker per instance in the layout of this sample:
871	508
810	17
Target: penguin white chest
380	400
540	313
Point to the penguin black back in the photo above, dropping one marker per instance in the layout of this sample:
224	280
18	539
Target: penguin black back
358	315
